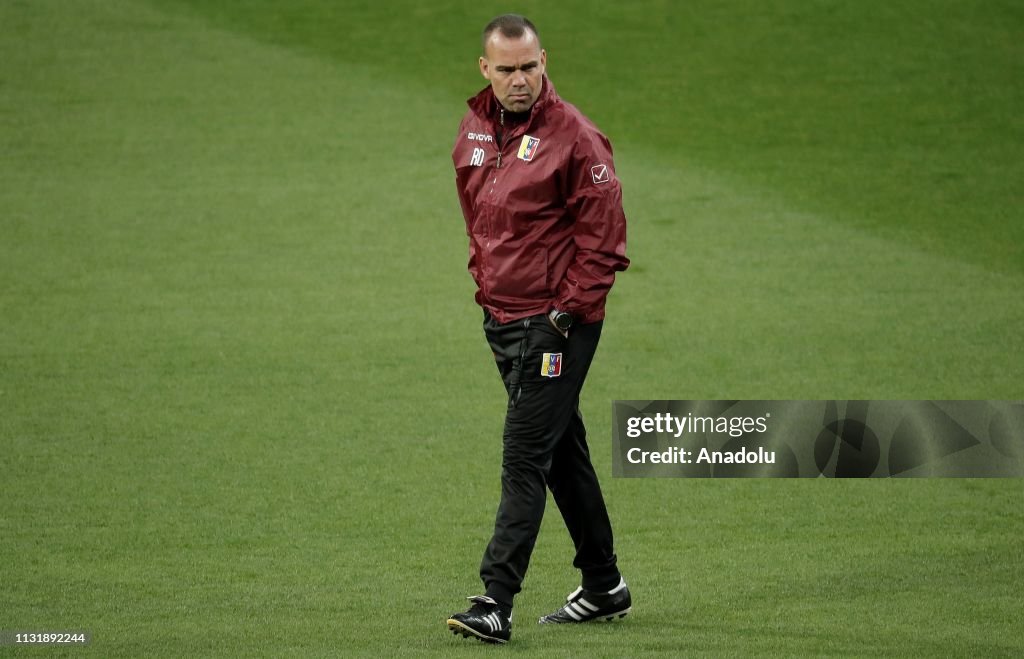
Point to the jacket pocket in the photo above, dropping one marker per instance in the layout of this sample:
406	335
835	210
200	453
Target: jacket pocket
519	272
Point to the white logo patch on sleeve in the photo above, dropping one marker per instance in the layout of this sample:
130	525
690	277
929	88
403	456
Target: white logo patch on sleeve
600	173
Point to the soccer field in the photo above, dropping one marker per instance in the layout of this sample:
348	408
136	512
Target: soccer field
245	403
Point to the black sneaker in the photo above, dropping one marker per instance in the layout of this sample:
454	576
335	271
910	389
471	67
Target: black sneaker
585	605
484	620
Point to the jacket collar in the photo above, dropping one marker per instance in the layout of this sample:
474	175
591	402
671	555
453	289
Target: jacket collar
486	106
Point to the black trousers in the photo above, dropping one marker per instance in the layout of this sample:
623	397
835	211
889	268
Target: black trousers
545	446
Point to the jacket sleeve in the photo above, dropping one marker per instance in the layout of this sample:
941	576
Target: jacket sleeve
465	202
468	215
594	201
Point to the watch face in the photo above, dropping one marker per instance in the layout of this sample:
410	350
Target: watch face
563	321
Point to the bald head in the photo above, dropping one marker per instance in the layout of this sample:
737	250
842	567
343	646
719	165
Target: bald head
512	26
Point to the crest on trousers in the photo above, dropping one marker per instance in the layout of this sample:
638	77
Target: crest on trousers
551	364
528	148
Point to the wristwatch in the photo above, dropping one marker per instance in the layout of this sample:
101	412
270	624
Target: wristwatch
561	319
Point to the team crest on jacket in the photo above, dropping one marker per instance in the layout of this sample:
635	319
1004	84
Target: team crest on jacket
528	148
551	364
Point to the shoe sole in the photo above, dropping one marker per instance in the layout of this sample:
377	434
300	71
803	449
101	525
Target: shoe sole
604	617
468	632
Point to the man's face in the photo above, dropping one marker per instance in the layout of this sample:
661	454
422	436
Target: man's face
515	68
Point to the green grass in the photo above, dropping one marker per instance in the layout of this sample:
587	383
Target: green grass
245	406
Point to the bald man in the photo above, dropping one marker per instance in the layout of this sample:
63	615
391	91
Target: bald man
547	233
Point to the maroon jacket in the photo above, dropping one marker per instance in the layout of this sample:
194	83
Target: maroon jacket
543	209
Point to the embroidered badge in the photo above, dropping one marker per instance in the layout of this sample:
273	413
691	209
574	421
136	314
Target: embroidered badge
528	148
600	173
551	364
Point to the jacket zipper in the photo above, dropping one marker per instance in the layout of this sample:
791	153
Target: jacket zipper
500	142
501	138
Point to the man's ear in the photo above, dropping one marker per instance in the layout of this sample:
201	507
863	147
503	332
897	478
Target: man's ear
485	68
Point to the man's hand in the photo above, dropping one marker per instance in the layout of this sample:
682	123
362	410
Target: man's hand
557	318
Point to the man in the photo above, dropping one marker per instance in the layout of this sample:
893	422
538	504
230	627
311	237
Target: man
547	234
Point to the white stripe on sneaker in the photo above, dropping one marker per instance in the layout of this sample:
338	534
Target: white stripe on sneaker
578	613
586	604
622	584
574	594
572	612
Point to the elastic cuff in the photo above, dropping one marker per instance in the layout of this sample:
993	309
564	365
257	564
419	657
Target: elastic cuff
503	596
601	583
